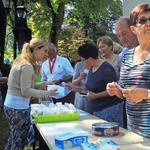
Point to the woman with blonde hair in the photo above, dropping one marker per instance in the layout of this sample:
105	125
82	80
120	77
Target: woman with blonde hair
21	88
106	47
117	48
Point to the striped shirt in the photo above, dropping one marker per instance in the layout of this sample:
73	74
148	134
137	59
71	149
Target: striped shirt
138	114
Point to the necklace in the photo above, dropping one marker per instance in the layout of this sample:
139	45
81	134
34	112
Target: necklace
140	56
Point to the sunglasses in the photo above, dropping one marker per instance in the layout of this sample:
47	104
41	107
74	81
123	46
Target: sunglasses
142	20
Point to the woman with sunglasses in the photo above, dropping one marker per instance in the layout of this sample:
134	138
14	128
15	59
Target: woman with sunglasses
134	82
21	88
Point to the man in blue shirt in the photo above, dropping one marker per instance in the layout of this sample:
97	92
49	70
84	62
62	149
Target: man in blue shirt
125	35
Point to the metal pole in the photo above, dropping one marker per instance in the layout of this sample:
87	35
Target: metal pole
15	48
14	26
3	20
20	29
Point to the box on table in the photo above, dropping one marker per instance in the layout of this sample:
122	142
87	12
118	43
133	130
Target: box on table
56	117
71	139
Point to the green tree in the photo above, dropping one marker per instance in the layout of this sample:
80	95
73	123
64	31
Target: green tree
69	40
51	19
95	17
52	14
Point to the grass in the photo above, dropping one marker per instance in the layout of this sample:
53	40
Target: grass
4	129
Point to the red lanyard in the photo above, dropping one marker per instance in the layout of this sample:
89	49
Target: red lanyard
51	64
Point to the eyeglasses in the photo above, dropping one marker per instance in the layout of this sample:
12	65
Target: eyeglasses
142	20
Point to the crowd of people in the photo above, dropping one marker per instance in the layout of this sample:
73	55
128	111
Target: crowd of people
114	87
134	81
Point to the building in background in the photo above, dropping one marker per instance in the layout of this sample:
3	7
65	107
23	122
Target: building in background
128	5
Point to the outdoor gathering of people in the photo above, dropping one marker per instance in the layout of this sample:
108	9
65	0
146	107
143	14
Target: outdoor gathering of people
113	86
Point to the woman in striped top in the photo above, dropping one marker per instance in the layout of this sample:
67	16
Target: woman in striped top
134	82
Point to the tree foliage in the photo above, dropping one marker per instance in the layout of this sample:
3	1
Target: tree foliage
69	23
69	41
39	20
96	17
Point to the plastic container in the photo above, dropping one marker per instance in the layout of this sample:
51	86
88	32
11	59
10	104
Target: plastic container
105	129
70	139
107	144
56	118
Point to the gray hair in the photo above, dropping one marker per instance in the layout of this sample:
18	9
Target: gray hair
124	19
52	46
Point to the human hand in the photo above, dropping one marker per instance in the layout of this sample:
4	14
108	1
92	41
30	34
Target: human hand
57	82
91	95
134	95
82	75
113	88
71	86
53	92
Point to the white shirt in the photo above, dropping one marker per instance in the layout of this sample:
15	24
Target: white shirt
62	68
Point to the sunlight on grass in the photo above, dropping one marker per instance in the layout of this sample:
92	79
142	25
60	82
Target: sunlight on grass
28	148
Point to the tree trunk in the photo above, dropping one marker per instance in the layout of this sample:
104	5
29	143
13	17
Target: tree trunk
57	21
87	25
2	33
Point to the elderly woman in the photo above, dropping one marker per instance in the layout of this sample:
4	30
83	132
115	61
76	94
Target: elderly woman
100	73
134	83
106	47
